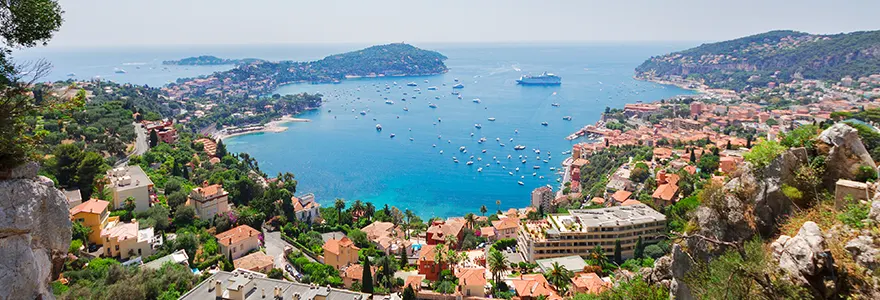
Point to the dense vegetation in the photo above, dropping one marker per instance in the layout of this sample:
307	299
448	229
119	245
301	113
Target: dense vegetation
773	56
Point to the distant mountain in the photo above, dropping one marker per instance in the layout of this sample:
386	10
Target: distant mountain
771	57
208	60
260	77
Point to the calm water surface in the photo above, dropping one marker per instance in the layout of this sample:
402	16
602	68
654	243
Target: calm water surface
340	154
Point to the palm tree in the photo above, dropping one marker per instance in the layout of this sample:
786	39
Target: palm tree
409	218
439	255
483	210
498	203
339	205
471	220
559	277
357	206
497	264
371	209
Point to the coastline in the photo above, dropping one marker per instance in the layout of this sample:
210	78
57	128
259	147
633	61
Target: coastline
273	126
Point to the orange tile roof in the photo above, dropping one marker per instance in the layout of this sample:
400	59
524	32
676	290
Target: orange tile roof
472	276
415	281
356	271
630	202
427	253
598	200
236	235
93	206
487	232
589	283
665	192
506	223
621	195
334	245
534	285
449	228
254	261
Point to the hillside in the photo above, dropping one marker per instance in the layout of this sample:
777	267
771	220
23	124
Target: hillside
771	57
208	60
262	77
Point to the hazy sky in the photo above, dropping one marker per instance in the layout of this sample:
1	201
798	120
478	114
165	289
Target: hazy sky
188	22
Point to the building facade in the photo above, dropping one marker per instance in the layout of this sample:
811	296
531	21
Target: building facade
130	181
542	197
93	214
580	231
209	200
340	253
124	240
238	241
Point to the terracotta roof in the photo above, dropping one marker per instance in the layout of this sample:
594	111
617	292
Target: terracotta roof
121	231
665	192
589	283
506	223
298	204
621	195
254	261
356	271
415	281
472	276
334	245
580	162
534	285
378	229
236	235
487	232
598	200
450	227
93	206
427	253
630	202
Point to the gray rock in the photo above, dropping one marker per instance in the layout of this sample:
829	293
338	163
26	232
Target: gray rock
682	263
864	252
35	233
874	215
25	170
845	153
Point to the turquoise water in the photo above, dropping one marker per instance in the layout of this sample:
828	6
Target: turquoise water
341	155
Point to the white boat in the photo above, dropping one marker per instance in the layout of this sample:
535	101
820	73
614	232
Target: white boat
536	167
441	151
392	135
118	71
491	119
517	169
544	123
469	163
534	174
511	173
479	169
478	126
363	113
432	105
484	150
389	102
411	84
555	104
461	149
567	118
379	127
519	147
432	88
405	109
476	100
520	183
426	81
502	144
458	86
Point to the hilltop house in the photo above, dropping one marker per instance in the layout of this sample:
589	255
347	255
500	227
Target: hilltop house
238	241
427	264
92	214
306	208
130	181
355	273
124	240
472	282
340	253
388	238
209	200
506	228
257	262
439	230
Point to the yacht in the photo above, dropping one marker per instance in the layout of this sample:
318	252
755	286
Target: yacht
491	119
544	123
432	88
479	169
461	149
432	105
519	147
555	104
392	135
543	79
484	150
389	102
458	86
378	127
478	126
363	113
520	183
536	167
405	109
567	118
476	100
469	163
118	71
411	84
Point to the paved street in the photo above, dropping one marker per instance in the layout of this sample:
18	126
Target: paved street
275	248
141	144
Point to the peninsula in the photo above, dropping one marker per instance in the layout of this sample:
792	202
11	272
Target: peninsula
262	77
768	59
209	60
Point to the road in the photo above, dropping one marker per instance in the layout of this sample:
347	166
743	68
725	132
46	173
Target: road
141	144
275	248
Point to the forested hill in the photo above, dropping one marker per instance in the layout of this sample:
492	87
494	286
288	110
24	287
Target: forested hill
262	77
208	60
771	57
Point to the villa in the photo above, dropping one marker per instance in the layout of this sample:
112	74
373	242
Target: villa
238	241
439	230
355	274
388	238
472	282
247	285
130	181
306	208
124	240
257	262
340	253
92	214
209	200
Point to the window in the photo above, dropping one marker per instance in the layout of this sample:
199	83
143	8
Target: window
139	251
117	247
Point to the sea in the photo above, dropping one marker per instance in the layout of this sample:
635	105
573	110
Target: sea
341	154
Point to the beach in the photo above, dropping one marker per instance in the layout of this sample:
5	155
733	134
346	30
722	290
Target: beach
274	126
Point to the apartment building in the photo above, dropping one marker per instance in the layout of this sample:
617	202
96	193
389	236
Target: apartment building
580	231
130	181
543	197
125	240
92	214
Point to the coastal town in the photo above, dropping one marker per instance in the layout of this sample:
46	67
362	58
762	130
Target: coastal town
761	184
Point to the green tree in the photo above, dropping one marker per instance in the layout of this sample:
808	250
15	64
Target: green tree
639	251
184	216
367	277
128	205
497	264
693	157
404	260
618	258
89	168
154	138
409	293
275	273
81	232
483	210
67	160
560	277
763	153
176	199
221	149
339	204
708	163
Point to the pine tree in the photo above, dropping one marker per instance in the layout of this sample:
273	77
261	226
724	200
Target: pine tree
618	256
367	278
639	251
728	145
409	293
154	138
693	157
715	150
221	149
185	172
749	142
404	260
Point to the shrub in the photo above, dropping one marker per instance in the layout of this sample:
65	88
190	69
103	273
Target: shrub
854	214
74	246
792	192
654	251
763	153
865	174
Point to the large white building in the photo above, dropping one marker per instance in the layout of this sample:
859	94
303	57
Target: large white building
580	231
130	181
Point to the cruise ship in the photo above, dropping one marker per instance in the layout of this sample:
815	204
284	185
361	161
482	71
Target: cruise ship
543	79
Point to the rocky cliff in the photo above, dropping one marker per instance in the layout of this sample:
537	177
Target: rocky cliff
35	233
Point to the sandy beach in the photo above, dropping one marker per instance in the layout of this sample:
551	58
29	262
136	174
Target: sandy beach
276	125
